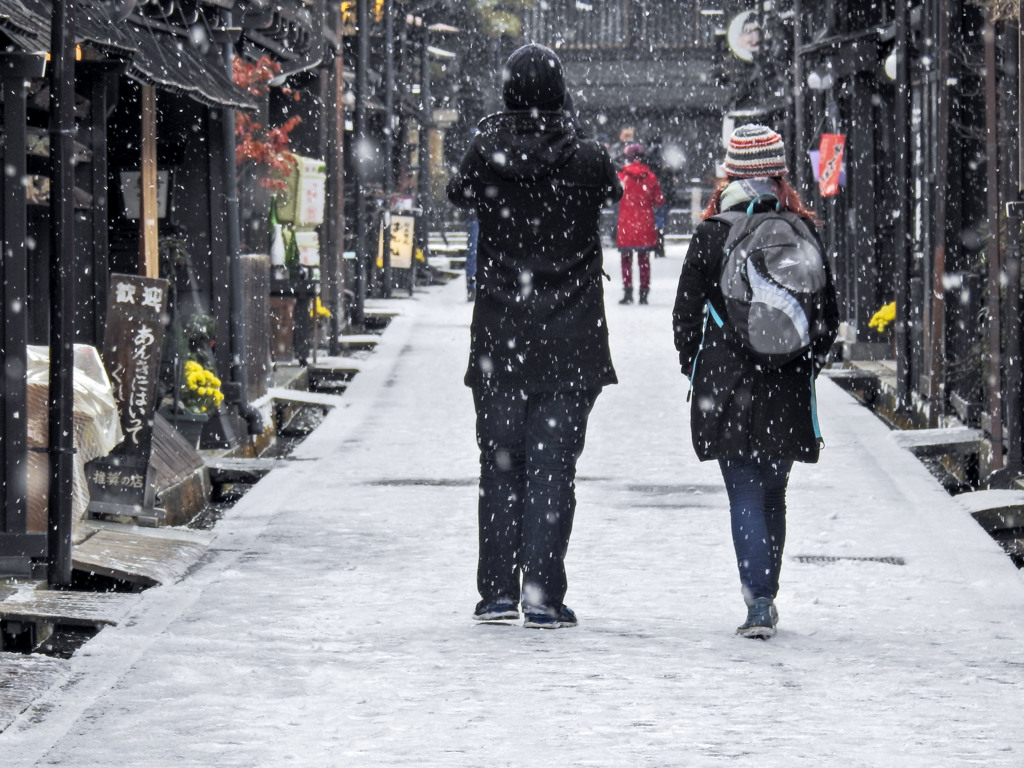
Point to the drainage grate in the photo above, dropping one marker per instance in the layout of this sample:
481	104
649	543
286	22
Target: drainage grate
826	559
429	481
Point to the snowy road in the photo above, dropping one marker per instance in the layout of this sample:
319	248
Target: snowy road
330	624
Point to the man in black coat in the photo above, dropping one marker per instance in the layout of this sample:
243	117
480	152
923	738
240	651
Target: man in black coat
539	351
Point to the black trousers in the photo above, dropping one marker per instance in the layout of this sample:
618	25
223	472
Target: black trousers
529	445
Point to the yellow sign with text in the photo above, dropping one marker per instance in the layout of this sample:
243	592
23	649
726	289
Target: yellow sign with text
403	229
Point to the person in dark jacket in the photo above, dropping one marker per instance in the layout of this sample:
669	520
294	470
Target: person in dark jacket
641	198
754	419
539	351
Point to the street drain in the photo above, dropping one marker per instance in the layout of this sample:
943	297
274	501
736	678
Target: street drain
671	490
431	481
827	559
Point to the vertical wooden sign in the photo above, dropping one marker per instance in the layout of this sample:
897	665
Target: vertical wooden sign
132	347
149	257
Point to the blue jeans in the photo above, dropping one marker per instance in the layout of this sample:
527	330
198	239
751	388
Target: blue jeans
757	503
529	445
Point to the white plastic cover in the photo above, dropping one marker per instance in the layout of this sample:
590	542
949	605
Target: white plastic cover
96	419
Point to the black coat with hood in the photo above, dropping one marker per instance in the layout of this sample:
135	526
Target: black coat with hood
538	188
740	409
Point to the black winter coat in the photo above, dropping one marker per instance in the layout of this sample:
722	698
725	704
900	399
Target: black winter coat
538	189
740	409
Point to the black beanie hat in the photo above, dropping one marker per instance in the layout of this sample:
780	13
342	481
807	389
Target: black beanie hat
533	78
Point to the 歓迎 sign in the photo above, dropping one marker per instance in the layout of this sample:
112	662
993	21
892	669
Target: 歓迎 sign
132	346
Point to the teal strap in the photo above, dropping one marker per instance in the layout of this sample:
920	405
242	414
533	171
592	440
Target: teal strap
814	407
718	320
750	208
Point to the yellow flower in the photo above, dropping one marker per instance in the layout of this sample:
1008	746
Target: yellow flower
200	391
883	317
319	309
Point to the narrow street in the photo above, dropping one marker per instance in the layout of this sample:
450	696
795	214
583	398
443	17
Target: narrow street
330	622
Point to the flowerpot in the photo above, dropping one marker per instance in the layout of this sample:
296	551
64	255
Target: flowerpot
189	424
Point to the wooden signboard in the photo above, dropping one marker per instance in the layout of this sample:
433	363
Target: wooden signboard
132	347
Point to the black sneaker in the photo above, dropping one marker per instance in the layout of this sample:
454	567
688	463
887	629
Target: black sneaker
552	619
762	617
496	610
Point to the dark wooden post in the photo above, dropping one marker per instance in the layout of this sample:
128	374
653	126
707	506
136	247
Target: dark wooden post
389	135
901	177
62	292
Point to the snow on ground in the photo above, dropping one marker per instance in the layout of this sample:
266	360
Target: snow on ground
330	624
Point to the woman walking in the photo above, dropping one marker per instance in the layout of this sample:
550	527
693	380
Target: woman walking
641	195
539	352
755	419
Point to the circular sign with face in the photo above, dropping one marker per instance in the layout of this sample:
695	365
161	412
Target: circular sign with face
744	35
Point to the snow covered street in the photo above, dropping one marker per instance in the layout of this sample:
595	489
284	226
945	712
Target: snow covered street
330	623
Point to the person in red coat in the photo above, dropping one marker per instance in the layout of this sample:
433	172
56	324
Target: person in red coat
640	196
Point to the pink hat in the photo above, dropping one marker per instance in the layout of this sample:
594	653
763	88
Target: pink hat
633	151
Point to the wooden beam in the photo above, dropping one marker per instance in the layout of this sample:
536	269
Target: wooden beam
149	256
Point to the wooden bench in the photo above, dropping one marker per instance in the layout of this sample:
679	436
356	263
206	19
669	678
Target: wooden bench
143	557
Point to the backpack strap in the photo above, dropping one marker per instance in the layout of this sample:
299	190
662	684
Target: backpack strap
768	198
814	410
713	313
710	314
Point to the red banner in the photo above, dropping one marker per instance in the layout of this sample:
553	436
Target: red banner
830	162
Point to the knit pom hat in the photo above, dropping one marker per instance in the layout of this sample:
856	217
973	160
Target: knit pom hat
533	78
633	151
755	150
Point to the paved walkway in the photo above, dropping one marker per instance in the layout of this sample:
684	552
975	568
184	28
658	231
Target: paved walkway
330	625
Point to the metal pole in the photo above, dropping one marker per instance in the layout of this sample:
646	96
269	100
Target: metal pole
359	162
62	298
389	134
903	230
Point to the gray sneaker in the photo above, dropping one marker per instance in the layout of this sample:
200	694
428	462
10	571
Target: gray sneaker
762	617
496	611
550	619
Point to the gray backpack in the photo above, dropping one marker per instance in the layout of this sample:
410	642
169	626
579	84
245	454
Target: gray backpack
773	281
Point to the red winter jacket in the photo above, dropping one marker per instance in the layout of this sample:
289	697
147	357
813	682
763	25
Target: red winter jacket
640	196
